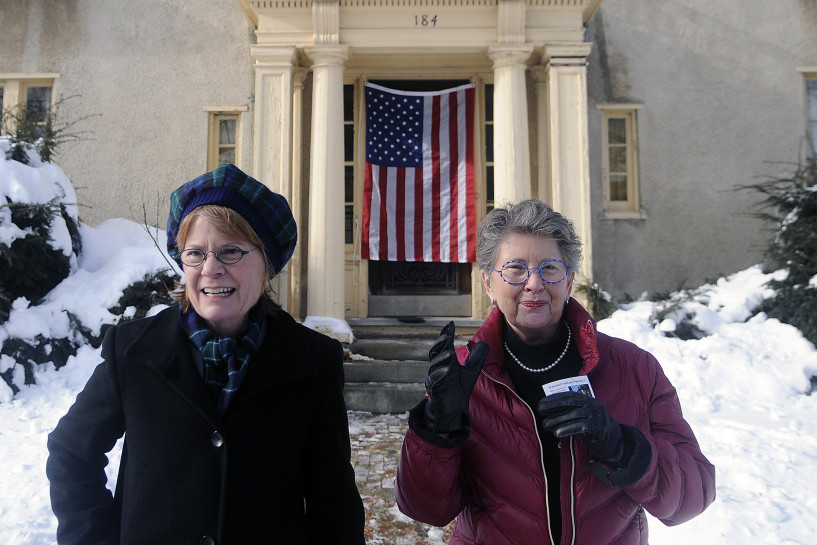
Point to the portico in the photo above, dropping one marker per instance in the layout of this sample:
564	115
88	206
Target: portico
527	59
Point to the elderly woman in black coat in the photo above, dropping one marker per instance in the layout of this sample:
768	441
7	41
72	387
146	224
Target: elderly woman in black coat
233	415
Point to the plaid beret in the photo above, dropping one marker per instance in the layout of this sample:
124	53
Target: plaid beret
268	213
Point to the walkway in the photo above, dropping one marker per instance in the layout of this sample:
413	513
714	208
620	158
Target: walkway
376	441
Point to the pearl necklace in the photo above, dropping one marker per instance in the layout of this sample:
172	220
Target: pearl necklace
543	369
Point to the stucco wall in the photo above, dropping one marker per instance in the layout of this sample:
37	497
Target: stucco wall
722	100
145	70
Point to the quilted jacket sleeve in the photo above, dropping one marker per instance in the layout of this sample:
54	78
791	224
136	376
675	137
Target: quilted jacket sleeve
428	487
679	482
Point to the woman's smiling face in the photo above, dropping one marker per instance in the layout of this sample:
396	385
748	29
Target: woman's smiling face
533	309
222	294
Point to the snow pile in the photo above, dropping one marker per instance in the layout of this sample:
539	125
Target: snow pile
745	390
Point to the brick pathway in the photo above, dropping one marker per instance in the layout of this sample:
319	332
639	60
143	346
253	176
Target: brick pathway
376	441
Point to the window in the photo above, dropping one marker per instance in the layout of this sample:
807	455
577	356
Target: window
349	161
34	93
811	109
489	147
224	138
620	161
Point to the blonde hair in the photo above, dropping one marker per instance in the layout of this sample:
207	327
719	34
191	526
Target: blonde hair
233	225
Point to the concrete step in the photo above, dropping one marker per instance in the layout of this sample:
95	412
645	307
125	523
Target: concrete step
384	387
405	347
395	328
382	397
406	371
393	349
387	363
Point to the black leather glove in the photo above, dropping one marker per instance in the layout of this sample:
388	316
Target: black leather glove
449	384
572	413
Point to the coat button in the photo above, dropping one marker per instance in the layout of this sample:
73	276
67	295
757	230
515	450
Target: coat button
207	540
217	441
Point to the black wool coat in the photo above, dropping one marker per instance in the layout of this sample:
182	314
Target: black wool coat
275	469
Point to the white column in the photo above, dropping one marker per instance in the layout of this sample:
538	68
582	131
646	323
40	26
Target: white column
272	143
541	182
325	284
568	156
511	143
298	189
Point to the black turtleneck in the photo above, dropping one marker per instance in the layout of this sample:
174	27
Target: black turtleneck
529	387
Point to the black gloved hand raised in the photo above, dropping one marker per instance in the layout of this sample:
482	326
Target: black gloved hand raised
572	413
449	384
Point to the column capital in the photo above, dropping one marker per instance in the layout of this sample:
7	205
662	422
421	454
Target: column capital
566	54
322	55
510	55
274	55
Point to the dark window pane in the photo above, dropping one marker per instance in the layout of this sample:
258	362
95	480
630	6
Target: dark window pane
489	143
350	224
811	90
618	159
226	133
489	184
38	103
1	105
349	183
348	142
489	102
618	187
812	132
226	155
348	102
617	131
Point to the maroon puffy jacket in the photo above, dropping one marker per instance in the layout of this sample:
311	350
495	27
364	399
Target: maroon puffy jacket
495	481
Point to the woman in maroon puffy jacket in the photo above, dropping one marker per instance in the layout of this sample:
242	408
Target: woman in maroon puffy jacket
517	466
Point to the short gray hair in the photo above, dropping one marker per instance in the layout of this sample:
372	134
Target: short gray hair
530	217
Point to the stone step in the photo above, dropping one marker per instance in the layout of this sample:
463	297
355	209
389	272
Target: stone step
387	363
409	347
406	371
393	349
396	328
382	397
384	387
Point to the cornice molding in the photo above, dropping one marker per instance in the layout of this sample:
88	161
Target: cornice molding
307	4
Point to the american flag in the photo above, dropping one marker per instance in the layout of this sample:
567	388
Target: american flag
419	197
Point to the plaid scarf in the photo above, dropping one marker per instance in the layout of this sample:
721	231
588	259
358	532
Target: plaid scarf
225	359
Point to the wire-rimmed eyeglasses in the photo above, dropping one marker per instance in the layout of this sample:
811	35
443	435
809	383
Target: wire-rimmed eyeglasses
229	255
517	272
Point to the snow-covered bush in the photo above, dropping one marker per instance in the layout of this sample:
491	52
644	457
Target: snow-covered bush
790	204
39	247
55	300
39	227
599	302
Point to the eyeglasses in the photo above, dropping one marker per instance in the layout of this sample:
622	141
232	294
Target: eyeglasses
229	255
516	272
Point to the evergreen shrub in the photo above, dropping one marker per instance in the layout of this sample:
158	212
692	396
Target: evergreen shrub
790	204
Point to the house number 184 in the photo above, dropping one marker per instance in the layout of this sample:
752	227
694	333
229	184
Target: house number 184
425	20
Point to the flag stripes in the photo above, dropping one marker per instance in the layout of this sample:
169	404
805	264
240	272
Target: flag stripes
419	196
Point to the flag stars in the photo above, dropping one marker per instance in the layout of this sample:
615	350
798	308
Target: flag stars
394	128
